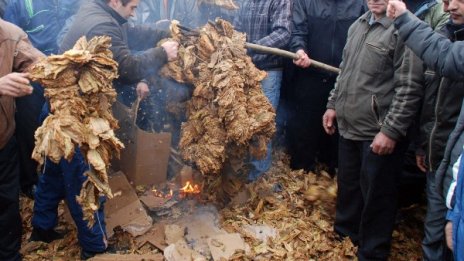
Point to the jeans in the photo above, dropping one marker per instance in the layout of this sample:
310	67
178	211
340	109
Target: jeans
367	196
64	181
271	88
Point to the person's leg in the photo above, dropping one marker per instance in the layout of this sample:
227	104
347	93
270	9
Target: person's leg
433	245
49	193
379	185
28	109
92	239
10	219
349	198
271	88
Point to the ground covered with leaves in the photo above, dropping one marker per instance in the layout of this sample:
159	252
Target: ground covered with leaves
299	206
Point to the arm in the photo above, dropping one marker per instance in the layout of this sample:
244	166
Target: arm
435	50
132	68
300	27
280	29
144	37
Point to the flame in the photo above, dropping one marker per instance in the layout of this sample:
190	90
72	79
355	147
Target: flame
190	189
160	194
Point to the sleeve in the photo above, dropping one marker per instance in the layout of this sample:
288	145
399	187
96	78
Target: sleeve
142	37
300	27
281	17
25	55
132	67
437	52
409	82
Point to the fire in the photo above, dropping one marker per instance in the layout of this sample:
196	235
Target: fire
160	194
190	189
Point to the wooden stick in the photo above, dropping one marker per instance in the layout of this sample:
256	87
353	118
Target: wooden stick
287	54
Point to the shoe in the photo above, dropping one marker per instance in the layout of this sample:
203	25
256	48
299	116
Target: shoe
46	236
88	254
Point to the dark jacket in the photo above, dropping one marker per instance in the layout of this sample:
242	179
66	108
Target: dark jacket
440	110
17	53
320	27
437	51
41	20
96	18
380	84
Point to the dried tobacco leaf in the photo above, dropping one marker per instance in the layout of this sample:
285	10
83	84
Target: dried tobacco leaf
78	85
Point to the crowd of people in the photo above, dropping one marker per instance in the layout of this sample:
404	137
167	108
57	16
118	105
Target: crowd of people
399	94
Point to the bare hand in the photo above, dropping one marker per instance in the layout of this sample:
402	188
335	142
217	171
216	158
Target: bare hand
382	144
171	48
142	90
15	85
303	60
395	8
449	235
420	162
328	121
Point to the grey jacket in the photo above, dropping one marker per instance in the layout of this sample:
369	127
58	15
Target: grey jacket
95	18
380	84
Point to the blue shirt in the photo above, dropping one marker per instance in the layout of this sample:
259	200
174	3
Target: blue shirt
42	20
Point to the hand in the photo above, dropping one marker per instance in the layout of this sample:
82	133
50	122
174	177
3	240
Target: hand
328	121
382	144
395	8
15	85
171	48
303	60
449	235
420	162
142	90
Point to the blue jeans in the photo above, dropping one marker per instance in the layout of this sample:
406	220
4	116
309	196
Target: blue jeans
64	181
271	88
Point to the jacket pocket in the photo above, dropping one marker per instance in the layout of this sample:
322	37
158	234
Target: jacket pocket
375	110
374	58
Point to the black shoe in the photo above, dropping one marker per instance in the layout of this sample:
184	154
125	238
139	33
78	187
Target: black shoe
46	236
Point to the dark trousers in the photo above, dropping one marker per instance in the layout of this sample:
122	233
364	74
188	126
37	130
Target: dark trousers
28	109
10	220
307	140
367	197
434	244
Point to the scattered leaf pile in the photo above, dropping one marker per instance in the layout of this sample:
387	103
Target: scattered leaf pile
78	85
228	114
301	206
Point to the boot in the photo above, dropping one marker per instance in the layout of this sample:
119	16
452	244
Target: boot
46	236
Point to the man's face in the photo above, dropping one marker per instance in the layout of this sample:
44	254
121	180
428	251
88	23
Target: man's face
125	11
456	10
378	7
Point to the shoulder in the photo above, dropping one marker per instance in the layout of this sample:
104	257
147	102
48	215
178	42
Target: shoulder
10	31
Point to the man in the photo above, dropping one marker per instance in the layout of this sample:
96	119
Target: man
446	58
375	99
438	117
17	54
64	180
266	23
310	87
41	20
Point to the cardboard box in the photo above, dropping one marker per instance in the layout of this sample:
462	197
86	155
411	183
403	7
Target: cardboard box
145	158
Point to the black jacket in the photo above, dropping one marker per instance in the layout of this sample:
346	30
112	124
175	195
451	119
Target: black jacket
320	27
440	110
96	18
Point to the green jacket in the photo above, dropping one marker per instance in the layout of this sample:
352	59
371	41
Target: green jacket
435	16
380	84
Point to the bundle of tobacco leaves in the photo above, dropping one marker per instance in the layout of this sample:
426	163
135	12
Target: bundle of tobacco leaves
78	85
228	113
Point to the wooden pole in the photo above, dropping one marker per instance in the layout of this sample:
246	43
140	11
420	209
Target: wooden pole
287	54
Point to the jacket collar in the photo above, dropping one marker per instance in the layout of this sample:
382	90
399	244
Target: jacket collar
456	32
384	21
102	3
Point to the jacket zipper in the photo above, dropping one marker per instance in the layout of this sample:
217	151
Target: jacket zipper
434	125
376	47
